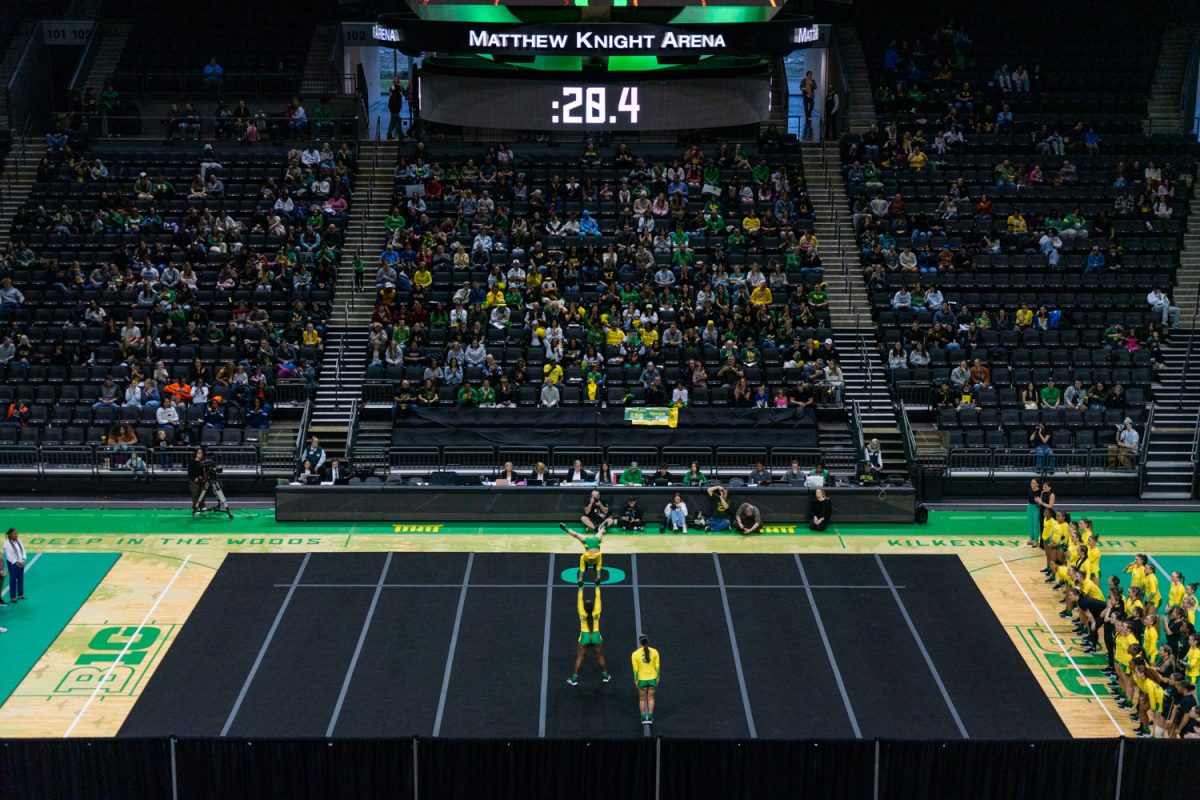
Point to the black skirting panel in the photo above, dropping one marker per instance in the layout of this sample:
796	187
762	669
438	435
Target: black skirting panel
778	504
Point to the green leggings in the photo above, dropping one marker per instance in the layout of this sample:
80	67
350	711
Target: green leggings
1033	513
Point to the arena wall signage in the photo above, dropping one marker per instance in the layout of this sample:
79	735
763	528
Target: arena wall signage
598	39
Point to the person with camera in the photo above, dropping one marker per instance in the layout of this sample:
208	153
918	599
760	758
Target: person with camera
202	478
631	516
1040	439
596	513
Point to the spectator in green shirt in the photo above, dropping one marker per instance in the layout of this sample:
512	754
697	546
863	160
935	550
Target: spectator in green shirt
110	104
694	477
633	476
466	396
395	221
1051	395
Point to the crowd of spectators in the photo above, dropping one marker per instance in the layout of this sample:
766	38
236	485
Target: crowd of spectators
634	279
169	291
1033	252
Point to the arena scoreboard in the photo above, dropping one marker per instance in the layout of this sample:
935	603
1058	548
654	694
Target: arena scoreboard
580	65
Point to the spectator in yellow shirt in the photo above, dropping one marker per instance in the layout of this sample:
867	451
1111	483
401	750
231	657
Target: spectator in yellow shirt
423	277
917	159
1017	222
495	297
761	296
1024	316
614	335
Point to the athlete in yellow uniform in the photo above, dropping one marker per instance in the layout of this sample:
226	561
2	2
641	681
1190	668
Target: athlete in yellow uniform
1150	637
1092	564
591	542
647	670
589	633
1150	587
1176	590
1192	659
1137	570
1150	701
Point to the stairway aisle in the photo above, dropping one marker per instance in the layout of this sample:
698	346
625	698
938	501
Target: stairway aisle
318	71
348	331
850	316
1169	464
1187	278
113	36
860	105
21	167
1162	106
826	190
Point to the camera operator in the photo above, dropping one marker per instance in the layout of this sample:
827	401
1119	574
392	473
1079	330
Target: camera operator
202	474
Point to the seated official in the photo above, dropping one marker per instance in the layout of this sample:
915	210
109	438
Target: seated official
662	477
336	473
540	476
507	476
577	474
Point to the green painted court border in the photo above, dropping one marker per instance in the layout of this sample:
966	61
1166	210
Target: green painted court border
965	525
59	584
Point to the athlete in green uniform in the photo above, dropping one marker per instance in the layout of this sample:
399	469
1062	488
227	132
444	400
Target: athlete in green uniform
589	633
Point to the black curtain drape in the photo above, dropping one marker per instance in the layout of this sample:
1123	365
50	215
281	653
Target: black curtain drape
536	769
85	769
1156	769
295	769
757	769
1002	770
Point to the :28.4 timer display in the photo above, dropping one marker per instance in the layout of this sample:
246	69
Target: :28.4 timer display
595	105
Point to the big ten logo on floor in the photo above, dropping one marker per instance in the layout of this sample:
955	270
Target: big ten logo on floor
1061	670
417	528
607	575
131	650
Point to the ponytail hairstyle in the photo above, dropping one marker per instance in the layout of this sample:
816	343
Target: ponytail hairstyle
644	641
588	606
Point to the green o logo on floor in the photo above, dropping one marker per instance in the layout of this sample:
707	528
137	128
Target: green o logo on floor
611	575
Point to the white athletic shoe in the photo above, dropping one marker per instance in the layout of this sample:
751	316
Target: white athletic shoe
3	630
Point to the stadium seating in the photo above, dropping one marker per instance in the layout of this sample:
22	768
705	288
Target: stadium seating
116	238
576	265
1032	304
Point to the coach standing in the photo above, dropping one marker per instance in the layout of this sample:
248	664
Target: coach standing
14	556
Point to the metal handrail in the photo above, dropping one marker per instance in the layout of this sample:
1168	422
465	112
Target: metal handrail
86	57
156	126
337	371
868	358
351	431
1144	449
305	417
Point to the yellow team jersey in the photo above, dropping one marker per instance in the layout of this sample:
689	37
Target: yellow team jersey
1089	589
1137	575
1048	528
1072	552
1175	594
643	670
1150	644
583	615
1092	565
1193	664
614	336
1061	534
1121	651
1150	585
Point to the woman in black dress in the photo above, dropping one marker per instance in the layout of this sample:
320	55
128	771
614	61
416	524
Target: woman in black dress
821	512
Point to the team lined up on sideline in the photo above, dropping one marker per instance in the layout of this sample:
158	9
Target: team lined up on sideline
1153	663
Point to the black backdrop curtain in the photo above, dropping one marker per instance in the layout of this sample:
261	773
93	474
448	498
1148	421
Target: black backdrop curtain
537	769
295	769
758	769
1003	770
1154	769
85	769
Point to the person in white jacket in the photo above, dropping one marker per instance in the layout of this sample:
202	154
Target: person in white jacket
675	515
14	559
